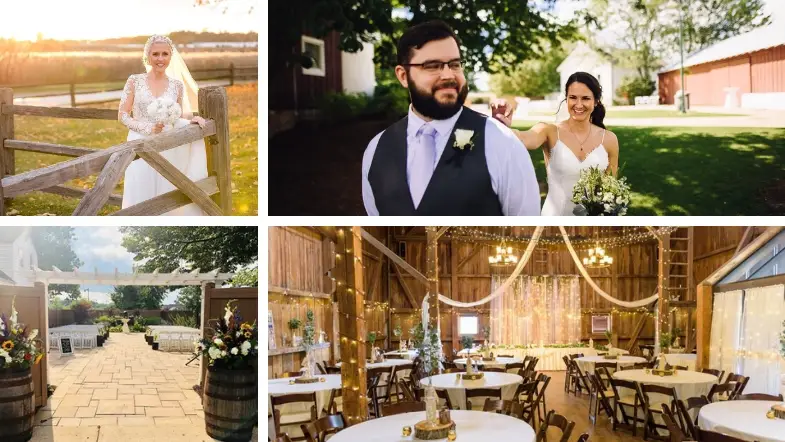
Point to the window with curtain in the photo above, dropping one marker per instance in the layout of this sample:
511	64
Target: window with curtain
767	261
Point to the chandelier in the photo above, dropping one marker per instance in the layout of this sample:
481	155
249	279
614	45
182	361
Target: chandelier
597	258
504	256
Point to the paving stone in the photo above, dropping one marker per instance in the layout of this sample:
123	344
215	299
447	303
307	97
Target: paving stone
136	421
64	434
69	422
170	404
65	411
164	412
171	396
103	421
76	400
108	393
147	400
86	411
115	407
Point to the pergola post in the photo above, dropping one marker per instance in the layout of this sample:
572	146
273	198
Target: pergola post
432	273
350	293
46	315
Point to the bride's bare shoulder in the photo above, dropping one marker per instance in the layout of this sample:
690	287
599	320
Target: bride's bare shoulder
611	142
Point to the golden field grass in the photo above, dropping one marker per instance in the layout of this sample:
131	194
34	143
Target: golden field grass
243	132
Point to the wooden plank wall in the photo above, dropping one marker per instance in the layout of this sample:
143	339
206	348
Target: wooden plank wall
215	299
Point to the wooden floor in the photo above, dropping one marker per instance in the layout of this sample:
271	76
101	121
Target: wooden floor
576	408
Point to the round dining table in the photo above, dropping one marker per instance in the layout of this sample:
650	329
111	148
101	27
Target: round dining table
296	411
456	386
406	354
496	363
745	420
687	383
469	426
586	363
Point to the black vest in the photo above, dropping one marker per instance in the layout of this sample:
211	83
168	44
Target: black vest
460	184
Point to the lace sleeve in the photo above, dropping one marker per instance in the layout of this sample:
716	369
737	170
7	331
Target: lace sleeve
124	114
180	90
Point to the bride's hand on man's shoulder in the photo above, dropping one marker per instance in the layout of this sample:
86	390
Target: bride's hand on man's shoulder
502	111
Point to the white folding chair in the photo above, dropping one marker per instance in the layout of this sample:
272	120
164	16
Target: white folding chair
89	340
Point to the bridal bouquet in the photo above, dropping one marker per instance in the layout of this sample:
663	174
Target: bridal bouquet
164	110
599	193
18	349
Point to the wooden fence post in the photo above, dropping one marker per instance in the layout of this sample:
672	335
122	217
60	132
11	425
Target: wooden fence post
213	105
72	91
7	159
231	74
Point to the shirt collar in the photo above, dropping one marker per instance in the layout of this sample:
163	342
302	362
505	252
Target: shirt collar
443	127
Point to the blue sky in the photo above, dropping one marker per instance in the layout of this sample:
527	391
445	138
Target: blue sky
100	247
98	19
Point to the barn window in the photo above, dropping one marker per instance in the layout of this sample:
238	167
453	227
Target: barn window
467	325
313	48
600	324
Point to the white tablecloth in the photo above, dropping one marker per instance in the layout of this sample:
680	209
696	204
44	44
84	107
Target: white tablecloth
586	363
469	426
407	354
742	419
297	412
550	358
498	363
387	363
684	359
456	387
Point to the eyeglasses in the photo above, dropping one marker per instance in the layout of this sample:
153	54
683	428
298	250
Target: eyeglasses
435	66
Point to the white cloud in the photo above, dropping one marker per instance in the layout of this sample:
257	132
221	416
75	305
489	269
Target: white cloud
101	243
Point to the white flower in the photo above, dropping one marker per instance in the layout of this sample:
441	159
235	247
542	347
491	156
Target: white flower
227	315
2	325
218	341
33	334
244	347
12	319
234	350
214	353
607	207
463	138
223	353
607	196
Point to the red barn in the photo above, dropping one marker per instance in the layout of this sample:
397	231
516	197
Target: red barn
747	70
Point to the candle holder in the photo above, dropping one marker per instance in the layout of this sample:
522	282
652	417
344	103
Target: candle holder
407	431
451	435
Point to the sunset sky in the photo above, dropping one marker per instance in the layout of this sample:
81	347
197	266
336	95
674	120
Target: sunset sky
99	19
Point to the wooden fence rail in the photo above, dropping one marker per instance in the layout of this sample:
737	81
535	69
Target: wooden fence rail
111	163
231	73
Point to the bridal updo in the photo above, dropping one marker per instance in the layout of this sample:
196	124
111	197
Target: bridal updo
152	40
598	114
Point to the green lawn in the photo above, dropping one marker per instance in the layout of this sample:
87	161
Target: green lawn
62	89
697	171
654	113
243	132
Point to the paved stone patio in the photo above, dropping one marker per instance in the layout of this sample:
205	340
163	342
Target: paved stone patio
123	390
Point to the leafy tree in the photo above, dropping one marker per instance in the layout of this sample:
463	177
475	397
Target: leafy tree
531	78
495	34
190	248
131	297
248	277
53	246
190	299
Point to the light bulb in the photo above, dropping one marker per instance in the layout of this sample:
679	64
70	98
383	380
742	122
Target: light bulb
509	249
585	261
498	249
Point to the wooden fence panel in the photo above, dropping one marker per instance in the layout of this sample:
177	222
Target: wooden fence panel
31	305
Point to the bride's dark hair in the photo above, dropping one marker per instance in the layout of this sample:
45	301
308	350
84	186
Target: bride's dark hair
598	114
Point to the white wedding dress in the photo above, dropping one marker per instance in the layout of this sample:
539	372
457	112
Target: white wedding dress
142	182
564	169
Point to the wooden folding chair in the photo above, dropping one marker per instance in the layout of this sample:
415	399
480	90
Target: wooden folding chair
402	407
318	430
622	402
556	420
651	427
675	432
481	392
297	419
758	397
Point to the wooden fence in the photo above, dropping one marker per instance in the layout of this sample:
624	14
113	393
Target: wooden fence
232	73
213	304
59	317
111	163
31	305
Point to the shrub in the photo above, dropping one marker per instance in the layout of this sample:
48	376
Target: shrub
635	87
116	329
103	318
138	328
151	320
81	308
341	107
183	320
389	98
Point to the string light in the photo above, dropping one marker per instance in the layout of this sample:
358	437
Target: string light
639	235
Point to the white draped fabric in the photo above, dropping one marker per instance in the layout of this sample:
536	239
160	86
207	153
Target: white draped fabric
764	311
536	310
725	330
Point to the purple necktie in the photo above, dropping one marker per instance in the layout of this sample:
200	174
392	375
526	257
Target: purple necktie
422	166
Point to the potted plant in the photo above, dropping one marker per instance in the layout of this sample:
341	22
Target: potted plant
397	332
231	391
665	341
19	352
294	325
467	342
308	342
155	341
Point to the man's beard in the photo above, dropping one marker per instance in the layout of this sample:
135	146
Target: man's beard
427	105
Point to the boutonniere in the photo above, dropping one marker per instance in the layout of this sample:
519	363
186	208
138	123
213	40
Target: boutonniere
463	138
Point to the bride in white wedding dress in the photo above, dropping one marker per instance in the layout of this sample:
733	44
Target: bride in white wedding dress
578	143
167	77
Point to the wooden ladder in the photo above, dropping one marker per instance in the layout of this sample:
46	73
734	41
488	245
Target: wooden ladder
679	253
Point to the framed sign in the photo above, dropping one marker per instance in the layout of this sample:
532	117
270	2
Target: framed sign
66	347
270	331
600	324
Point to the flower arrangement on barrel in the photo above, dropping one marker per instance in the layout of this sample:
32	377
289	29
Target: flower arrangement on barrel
598	193
230	397
19	348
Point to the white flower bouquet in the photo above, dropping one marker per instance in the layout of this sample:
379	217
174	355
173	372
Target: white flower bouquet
164	110
600	194
19	348
234	344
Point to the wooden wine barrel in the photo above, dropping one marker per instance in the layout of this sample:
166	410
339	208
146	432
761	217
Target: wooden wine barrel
230	404
17	405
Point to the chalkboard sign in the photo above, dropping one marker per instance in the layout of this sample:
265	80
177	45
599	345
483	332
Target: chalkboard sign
66	348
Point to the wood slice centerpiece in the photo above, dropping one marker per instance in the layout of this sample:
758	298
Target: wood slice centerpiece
305	380
17	405
429	431
778	411
472	377
610	356
666	372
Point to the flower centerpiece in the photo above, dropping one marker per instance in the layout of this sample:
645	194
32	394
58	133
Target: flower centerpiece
165	111
397	332
598	193
308	342
294	325
19	348
234	344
